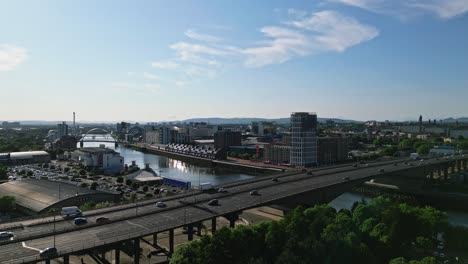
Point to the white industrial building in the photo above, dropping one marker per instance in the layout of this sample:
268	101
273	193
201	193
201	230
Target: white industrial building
101	158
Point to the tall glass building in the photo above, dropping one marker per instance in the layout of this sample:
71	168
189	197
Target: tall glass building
303	139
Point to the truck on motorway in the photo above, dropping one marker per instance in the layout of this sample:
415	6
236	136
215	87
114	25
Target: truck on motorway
206	186
71	211
414	156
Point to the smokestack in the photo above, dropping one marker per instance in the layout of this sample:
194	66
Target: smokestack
73	119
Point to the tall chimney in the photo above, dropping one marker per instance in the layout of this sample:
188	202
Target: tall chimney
73	119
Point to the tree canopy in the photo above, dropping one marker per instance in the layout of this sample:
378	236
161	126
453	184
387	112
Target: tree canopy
376	232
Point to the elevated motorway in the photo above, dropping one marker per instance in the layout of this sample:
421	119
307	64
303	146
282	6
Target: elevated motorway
132	222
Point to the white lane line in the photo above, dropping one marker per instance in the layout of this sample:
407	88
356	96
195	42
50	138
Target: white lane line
24	245
137	225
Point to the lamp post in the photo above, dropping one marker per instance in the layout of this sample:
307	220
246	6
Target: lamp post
53	211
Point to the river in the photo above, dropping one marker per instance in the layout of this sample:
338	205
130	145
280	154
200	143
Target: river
196	174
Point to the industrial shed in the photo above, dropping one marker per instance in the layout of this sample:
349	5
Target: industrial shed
39	196
25	157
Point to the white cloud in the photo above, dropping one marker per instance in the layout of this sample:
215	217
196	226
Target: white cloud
198	54
322	31
201	37
151	76
165	65
296	13
444	9
11	57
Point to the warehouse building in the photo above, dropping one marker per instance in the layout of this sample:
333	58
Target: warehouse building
34	196
25	157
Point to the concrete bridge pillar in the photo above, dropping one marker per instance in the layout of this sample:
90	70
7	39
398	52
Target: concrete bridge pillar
136	251
199	229
66	259
171	240
213	225
232	219
190	232
155	239
446	170
116	144
81	144
117	255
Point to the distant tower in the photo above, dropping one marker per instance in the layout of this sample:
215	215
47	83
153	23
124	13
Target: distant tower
73	119
420	124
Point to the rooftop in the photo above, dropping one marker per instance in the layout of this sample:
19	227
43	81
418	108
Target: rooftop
25	154
97	150
37	195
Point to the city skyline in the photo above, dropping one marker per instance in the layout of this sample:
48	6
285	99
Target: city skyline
349	59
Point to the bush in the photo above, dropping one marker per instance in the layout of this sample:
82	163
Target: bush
82	172
135	186
145	188
128	182
84	185
7	203
30	173
94	186
120	179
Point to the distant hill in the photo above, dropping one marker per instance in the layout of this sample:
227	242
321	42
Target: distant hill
248	120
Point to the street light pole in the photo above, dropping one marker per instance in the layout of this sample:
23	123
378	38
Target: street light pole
54	226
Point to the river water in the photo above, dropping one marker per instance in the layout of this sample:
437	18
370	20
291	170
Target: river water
172	168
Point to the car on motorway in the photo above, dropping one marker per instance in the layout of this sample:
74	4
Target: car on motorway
160	204
275	179
48	252
80	221
254	192
381	170
6	235
213	202
102	220
346	178
222	190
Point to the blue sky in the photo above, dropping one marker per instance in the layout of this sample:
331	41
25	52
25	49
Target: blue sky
172	60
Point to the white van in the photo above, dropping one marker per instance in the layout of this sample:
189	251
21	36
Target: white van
71	211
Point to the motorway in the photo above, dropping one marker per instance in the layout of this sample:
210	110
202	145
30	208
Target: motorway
145	219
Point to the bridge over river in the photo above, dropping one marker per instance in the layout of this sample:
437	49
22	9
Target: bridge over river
133	223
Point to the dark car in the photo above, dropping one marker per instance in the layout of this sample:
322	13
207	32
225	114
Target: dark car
48	252
213	202
160	204
102	220
346	178
254	192
6	235
381	170
80	221
275	179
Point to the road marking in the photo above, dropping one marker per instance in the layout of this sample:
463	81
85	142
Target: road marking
137	225
24	245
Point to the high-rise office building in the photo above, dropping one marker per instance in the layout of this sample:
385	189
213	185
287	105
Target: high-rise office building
62	130
303	139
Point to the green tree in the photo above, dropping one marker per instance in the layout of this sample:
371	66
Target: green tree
84	185
82	172
120	179
128	182
424	148
93	186
7	203
145	188
30	173
3	173
135	186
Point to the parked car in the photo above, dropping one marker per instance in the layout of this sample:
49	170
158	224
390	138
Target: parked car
254	192
48	252
80	221
213	202
222	190
102	220
5	235
160	204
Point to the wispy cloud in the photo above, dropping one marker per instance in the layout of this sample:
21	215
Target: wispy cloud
151	76
319	32
165	65
201	37
197	53
444	9
11	57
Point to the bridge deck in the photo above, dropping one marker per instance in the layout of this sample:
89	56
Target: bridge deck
151	219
